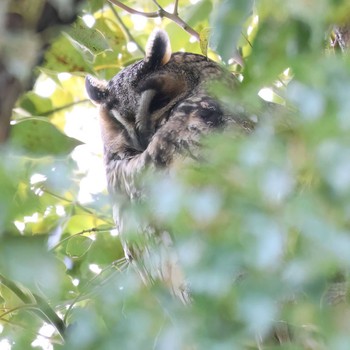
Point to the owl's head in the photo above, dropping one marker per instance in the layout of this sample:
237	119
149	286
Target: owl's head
124	89
158	53
140	95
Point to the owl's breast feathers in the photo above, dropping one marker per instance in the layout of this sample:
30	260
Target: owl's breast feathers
154	112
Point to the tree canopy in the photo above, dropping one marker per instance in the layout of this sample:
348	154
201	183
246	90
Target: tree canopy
262	226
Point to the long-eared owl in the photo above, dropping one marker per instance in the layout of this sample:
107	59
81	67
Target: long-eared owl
152	113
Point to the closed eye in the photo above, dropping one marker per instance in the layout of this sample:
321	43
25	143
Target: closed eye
128	127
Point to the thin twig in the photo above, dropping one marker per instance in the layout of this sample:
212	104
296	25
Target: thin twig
156	3
125	29
160	13
52	111
90	230
83	294
61	108
77	204
176	8
154	14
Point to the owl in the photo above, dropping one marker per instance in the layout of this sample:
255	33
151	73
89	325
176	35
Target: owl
151	114
342	37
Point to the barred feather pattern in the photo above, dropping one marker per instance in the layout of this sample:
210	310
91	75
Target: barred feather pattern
342	35
151	114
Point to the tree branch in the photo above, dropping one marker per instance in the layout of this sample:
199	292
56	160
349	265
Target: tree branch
125	29
154	14
160	13
176	8
156	3
25	29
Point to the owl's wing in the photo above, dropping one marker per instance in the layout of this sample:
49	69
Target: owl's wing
154	254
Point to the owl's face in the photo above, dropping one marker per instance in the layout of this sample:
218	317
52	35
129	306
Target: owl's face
137	92
140	98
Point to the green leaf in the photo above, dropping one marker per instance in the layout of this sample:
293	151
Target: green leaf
81	222
85	38
40	137
106	248
64	57
26	260
108	62
41	309
77	246
95	5
35	104
198	12
227	20
112	33
178	37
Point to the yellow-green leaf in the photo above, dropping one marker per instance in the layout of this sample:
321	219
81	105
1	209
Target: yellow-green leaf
40	137
204	39
78	245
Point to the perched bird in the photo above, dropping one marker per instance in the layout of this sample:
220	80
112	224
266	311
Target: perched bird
152	113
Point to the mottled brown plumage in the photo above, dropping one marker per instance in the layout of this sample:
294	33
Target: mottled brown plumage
151	113
342	37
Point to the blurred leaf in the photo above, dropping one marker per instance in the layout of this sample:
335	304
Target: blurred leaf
83	221
43	225
78	246
105	249
34	104
39	137
198	12
32	265
228	17
95	5
261	227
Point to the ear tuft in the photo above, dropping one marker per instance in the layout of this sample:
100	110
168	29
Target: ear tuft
96	89
158	49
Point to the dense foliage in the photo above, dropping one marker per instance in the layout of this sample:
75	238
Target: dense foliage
262	227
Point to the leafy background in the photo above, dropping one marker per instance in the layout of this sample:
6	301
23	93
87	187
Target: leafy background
262	228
